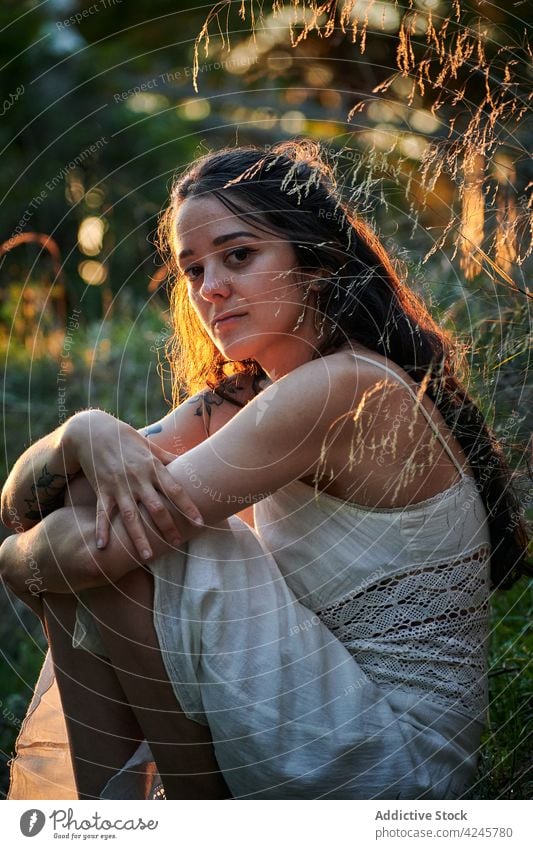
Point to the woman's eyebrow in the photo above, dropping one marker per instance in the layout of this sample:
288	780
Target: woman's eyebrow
219	240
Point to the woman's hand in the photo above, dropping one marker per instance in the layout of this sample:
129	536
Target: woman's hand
126	469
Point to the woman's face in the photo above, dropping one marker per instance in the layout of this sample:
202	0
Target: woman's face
243	285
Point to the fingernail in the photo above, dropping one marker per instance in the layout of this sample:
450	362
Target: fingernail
99	543
146	553
176	541
197	520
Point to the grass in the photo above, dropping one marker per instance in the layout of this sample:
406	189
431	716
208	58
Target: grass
505	769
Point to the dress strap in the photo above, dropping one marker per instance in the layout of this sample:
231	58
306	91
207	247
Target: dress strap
413	394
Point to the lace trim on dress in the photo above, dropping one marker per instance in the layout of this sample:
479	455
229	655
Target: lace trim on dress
424	630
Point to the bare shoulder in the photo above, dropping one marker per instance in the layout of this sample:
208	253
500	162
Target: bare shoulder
311	396
370	367
378	380
380	389
333	378
399	441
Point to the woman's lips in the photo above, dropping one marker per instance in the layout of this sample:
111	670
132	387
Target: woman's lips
228	320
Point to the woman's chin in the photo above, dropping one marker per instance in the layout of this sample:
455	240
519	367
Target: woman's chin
237	350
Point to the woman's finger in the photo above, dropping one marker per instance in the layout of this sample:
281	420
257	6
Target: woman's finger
160	516
161	454
179	497
104	507
131	518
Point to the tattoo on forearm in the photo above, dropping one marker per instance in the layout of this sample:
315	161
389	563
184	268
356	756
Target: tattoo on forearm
156	428
48	494
228	390
205	401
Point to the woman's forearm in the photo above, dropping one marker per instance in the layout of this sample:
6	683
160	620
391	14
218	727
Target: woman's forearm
36	484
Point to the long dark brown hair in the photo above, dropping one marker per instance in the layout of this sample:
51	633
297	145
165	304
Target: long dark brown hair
289	190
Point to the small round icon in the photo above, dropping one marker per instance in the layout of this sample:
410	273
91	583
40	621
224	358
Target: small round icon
32	822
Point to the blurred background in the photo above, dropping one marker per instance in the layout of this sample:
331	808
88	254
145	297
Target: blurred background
422	106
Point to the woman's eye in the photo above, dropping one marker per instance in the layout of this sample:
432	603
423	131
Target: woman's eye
192	272
240	254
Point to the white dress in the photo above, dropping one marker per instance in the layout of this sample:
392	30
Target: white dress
337	652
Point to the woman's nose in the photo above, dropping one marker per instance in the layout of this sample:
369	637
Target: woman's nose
215	285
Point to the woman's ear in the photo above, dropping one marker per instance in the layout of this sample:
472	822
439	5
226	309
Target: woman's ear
319	279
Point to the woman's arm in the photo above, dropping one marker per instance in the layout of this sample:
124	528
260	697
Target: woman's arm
38	481
36	484
57	553
272	441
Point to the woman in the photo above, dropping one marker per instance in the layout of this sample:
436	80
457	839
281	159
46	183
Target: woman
337	649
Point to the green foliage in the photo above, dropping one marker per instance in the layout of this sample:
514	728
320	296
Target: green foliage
108	365
505	764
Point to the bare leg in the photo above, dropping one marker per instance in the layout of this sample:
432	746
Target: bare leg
182	748
103	731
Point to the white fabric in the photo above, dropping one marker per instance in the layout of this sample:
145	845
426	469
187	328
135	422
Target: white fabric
297	711
43	767
406	591
339	652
